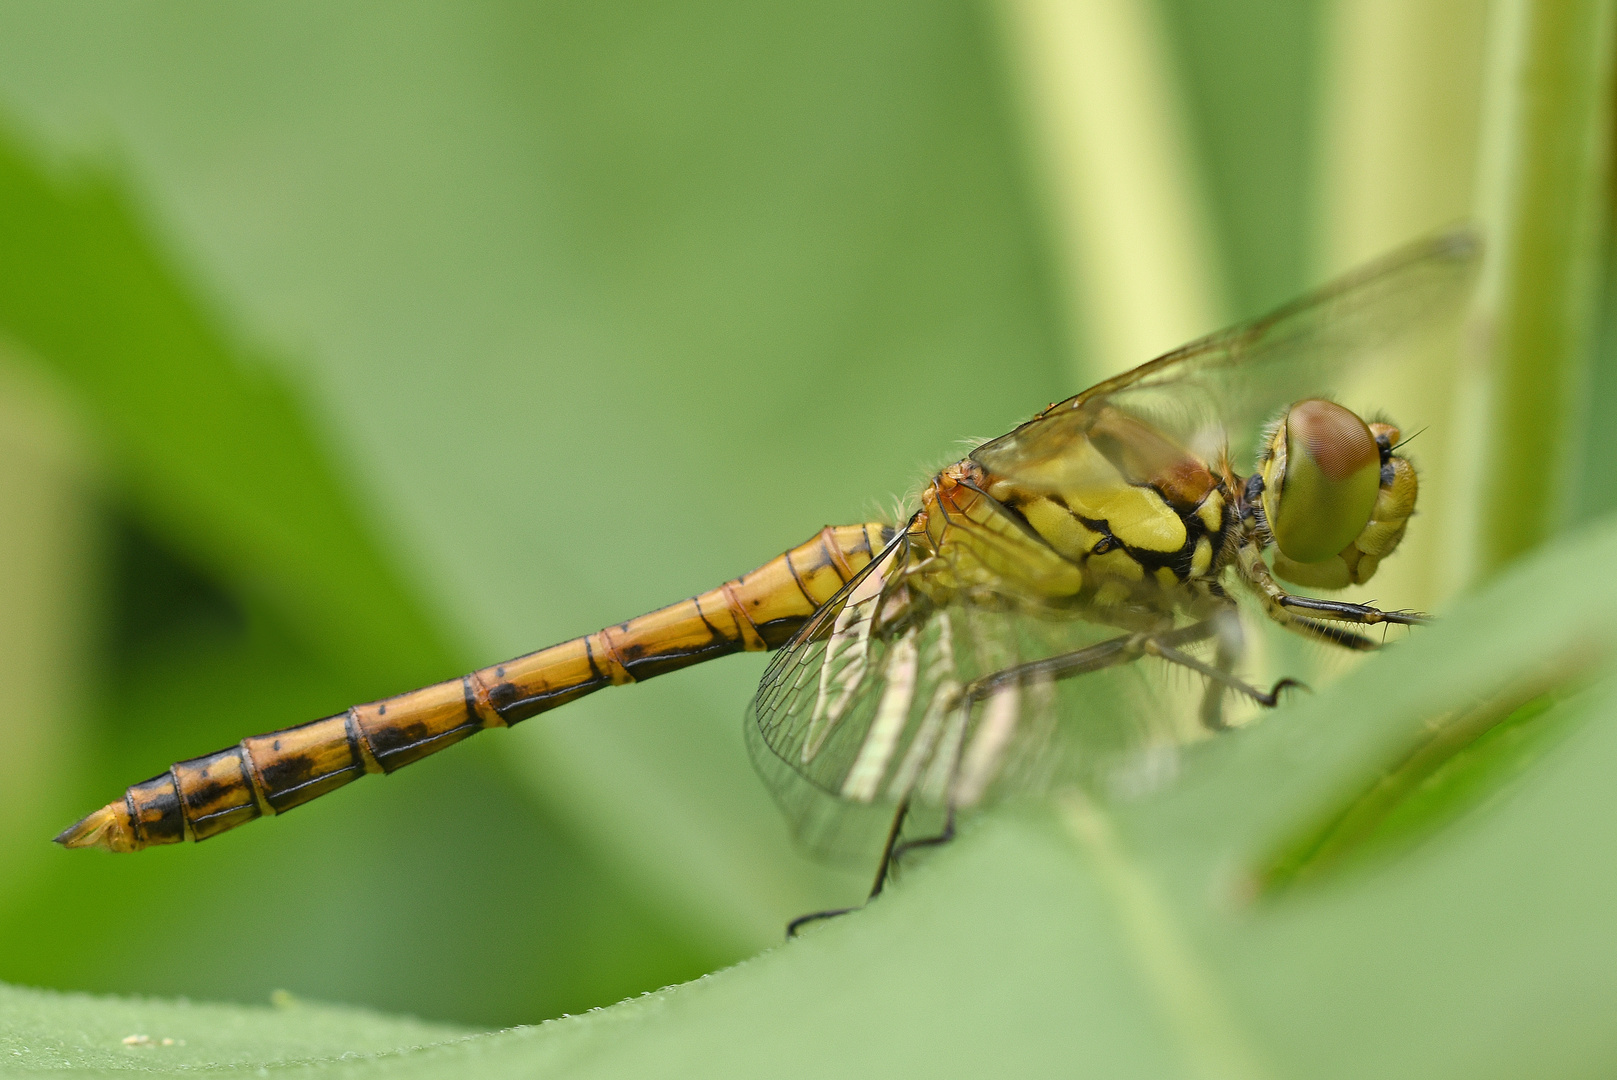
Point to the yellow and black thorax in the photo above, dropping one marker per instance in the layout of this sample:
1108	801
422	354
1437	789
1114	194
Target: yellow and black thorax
1127	518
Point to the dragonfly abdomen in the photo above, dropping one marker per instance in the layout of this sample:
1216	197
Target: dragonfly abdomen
269	774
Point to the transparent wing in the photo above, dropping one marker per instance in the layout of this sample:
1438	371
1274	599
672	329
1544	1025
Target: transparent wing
871	705
1222	388
820	684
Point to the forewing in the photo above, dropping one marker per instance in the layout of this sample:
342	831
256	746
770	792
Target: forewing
1220	389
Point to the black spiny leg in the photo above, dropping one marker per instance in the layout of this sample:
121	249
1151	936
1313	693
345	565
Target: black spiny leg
1128	647
1119	650
1363	614
924	842
883	870
1314	618
1268	698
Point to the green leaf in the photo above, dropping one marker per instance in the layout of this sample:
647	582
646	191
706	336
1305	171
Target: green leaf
76	1034
1128	940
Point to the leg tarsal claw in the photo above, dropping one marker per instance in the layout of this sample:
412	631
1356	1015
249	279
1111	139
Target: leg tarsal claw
814	916
1273	697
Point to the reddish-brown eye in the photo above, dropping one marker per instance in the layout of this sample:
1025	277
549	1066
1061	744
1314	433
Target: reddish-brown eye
1320	480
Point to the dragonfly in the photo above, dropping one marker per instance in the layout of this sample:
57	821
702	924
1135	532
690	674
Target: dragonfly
1010	635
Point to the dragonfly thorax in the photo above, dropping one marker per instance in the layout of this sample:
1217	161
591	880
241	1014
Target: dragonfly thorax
1120	518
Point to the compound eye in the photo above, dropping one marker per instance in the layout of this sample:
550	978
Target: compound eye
1320	480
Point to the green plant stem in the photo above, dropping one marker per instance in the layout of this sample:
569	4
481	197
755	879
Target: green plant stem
1544	154
1122	194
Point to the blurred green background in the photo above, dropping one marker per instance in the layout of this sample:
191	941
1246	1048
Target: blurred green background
345	347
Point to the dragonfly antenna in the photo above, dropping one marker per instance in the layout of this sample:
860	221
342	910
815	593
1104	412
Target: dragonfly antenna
1412	438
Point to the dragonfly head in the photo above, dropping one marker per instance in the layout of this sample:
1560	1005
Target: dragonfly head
1335	496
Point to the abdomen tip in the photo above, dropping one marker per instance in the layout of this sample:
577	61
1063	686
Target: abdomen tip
107	828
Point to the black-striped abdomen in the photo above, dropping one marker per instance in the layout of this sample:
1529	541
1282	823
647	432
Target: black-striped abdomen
268	774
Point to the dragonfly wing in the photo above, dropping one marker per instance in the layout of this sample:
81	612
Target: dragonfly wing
822	685
869	708
1228	383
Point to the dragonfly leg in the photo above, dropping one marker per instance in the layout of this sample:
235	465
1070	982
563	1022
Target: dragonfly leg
1165	646
815	916
890	850
938	840
1317	623
1222	678
974	768
1341	611
1109	653
1122	649
883	872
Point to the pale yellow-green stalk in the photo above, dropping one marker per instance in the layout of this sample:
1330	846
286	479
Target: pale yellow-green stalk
1544	158
47	540
1119	184
1399	122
